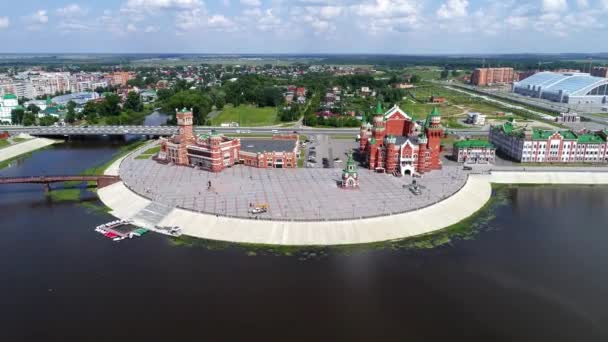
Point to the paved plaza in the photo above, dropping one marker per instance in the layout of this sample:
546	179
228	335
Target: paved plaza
291	194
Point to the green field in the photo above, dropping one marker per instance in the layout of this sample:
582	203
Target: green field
247	116
149	153
18	140
425	73
4	143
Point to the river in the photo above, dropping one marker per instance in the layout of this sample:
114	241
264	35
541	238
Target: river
535	272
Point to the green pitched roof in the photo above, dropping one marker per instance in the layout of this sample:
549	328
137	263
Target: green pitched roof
590	138
539	134
435	112
10	97
379	109
184	110
473	143
509	129
350	167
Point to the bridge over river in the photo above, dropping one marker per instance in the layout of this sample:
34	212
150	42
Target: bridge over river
155	131
102	181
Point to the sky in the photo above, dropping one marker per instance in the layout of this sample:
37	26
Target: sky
303	26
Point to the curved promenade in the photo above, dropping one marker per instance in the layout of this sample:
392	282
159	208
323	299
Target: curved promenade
125	204
24	147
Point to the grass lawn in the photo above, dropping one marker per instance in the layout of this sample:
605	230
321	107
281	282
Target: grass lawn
98	170
149	153
64	194
247	116
4	143
18	140
343	137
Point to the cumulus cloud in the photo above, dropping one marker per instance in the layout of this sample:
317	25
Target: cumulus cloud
189	20
221	23
155	5
39	17
555	5
453	9
36	20
255	3
329	12
151	29
131	28
389	15
4	22
72	10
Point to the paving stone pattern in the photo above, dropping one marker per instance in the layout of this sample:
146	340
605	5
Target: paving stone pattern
291	194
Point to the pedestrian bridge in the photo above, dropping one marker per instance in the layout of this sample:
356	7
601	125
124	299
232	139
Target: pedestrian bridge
102	181
103	130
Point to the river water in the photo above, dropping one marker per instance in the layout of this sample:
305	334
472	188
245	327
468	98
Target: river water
536	272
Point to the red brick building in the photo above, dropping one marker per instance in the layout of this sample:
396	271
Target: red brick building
599	72
215	152
280	152
487	76
394	143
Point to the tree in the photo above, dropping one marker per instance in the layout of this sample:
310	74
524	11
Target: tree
17	116
29	119
195	99
33	108
269	96
133	102
89	110
415	79
445	74
109	106
47	120
70	117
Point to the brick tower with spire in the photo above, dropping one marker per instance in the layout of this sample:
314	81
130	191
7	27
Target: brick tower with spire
186	135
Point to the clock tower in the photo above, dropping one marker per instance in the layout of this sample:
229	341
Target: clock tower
186	136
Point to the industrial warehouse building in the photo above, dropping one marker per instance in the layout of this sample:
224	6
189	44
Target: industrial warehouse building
580	90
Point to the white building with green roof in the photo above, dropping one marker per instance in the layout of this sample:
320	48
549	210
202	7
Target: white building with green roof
7	104
474	152
528	145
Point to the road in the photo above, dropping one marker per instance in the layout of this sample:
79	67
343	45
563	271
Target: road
169	130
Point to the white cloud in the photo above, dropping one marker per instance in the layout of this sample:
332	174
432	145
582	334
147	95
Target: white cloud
329	12
131	28
151	29
39	17
582	3
453	9
155	5
189	20
221	23
555	5
36	20
72	10
378	16
252	3
517	22
4	22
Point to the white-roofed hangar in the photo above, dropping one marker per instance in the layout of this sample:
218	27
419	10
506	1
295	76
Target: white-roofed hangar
580	90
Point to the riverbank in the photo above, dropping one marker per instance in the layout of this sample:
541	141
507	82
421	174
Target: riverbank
125	204
13	151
